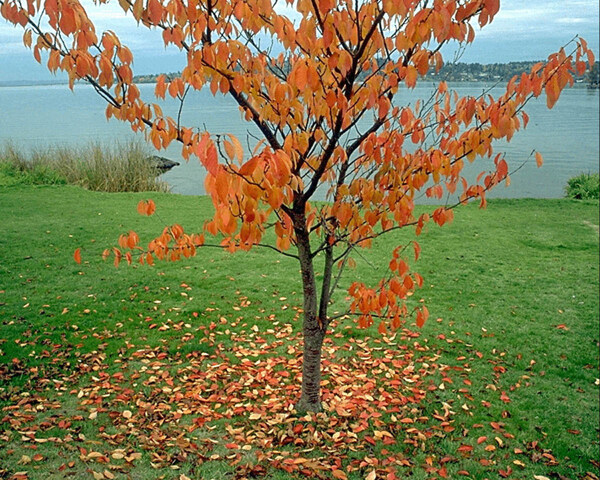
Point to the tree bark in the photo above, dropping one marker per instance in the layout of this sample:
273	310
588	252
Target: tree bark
313	329
326	287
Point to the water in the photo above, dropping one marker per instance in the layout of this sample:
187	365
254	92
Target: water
567	135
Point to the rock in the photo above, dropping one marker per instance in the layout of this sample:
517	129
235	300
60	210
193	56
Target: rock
161	163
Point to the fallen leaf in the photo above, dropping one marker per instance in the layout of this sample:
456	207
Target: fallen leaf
340	475
371	475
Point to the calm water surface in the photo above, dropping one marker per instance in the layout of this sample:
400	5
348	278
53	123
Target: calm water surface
567	135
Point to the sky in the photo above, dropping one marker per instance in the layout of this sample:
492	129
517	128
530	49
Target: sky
522	30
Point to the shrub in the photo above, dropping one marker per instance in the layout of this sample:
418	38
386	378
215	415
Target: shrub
584	186
121	168
15	174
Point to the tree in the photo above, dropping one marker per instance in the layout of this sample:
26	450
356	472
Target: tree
320	85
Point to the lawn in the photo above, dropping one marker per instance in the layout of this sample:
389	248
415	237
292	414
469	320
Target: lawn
190	370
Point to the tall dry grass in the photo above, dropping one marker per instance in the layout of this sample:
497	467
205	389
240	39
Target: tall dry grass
119	168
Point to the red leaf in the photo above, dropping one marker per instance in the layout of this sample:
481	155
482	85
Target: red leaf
505	473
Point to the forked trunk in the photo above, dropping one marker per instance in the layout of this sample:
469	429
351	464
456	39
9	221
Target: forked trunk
313	331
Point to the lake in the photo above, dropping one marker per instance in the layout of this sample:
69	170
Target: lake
567	136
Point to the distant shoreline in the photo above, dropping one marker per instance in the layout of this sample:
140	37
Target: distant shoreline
492	74
33	83
14	84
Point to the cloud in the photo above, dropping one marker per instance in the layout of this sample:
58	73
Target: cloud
573	20
546	18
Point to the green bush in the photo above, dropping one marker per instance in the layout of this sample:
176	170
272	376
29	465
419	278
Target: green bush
122	168
11	174
584	186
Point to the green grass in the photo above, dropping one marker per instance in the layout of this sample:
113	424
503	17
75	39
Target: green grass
513	296
120	168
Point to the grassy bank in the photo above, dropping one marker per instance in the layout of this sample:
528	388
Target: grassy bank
190	369
116	168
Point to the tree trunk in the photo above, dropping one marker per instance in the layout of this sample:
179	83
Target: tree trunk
313	329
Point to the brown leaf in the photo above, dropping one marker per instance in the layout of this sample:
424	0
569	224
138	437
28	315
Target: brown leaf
339	474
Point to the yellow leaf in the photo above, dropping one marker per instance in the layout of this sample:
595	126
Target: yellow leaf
371	476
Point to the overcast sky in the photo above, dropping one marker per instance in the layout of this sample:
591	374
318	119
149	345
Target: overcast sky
522	30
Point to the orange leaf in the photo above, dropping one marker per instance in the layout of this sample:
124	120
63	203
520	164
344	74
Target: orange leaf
417	249
552	91
411	77
539	161
211	161
229	150
154	11
161	87
300	76
77	255
492	7
238	150
502	169
150	208
591	58
339	474
27	38
249	166
422	316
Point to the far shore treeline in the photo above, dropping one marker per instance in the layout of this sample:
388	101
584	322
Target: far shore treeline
450	72
465	72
